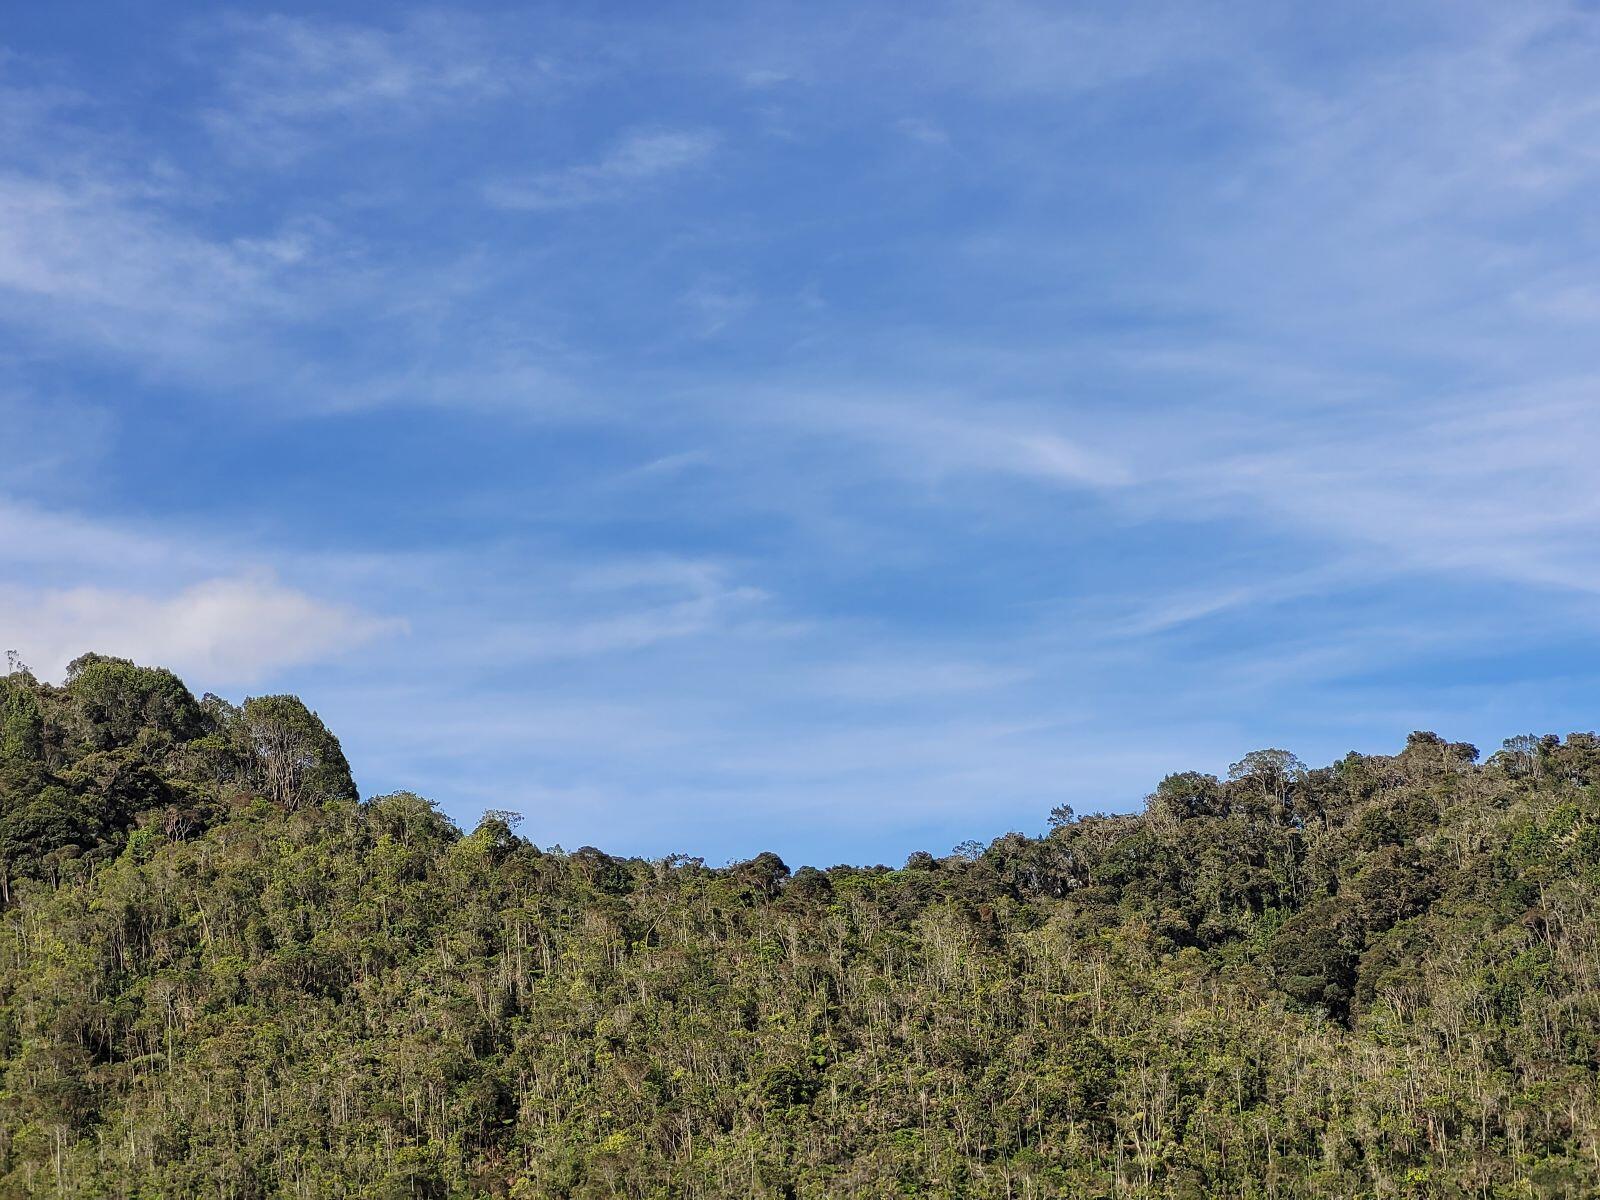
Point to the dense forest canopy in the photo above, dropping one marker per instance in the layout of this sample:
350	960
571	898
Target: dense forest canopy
222	973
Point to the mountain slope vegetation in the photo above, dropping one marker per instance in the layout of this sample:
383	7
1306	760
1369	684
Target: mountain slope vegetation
222	973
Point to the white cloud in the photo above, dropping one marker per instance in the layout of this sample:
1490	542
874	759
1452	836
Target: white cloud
46	439
1366	331
713	305
286	81
890	680
94	262
89	244
639	159
922	131
1500	485
766	77
1021	47
621	607
38	540
174	597
228	631
931	437
105	265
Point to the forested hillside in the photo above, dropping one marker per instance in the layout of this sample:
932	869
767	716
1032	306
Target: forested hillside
224	974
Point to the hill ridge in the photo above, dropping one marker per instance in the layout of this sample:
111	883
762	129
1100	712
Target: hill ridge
222	972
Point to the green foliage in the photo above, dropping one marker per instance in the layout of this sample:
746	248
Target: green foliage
221	973
298	761
21	722
116	703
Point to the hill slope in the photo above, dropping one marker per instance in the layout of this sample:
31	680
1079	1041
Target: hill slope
221	973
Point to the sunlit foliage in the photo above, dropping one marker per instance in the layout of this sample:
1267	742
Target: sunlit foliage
222	974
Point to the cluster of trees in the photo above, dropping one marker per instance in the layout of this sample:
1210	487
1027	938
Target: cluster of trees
224	974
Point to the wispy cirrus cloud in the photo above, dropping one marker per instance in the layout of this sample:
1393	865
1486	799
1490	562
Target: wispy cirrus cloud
639	160
1019	48
287	83
935	436
102	249
1469	483
107	266
625	606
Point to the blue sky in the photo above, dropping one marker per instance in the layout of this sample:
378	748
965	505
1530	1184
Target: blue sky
841	429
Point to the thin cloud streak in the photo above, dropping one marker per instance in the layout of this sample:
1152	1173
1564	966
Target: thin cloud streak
284	81
639	160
